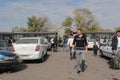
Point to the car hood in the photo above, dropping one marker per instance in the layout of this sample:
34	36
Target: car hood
7	53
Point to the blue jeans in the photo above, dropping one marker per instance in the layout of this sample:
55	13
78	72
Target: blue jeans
118	51
64	47
71	56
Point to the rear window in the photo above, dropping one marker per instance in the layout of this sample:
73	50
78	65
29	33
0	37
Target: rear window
27	41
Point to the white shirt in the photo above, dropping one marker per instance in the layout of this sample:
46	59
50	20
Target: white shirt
70	42
52	40
118	41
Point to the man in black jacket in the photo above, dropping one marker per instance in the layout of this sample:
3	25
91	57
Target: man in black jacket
80	46
116	43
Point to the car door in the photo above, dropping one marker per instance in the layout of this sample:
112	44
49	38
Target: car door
109	50
104	49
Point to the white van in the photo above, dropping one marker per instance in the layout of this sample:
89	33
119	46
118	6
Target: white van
30	48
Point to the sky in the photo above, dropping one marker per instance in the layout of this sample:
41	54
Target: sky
15	12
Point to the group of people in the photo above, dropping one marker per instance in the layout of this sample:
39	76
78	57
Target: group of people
78	46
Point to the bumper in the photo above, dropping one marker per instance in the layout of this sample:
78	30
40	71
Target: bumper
9	64
30	56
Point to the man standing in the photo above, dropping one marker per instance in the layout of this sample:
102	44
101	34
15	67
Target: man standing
116	43
52	43
80	44
69	43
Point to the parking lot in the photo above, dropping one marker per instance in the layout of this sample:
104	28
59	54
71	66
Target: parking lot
58	66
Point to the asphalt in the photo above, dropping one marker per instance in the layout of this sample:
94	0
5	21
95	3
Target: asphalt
58	66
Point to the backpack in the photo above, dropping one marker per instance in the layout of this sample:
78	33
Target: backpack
115	62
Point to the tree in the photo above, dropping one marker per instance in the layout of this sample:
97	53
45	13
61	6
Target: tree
67	23
117	28
17	29
36	24
84	19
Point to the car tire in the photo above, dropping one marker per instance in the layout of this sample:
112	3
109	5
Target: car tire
101	53
46	54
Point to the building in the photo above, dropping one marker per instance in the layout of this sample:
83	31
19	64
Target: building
16	35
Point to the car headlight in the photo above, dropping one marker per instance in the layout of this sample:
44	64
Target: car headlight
7	58
2	57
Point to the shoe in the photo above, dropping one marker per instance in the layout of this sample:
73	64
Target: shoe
78	72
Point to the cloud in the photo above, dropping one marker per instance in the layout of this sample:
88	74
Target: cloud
15	13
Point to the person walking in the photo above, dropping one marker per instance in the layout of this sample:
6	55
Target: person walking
65	44
95	48
69	44
52	43
116	43
55	42
80	44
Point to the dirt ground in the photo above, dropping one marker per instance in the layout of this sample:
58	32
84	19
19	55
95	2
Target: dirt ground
58	66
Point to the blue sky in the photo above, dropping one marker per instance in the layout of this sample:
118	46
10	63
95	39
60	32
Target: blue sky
15	12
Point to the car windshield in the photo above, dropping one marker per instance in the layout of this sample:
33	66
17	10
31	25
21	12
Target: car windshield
27	41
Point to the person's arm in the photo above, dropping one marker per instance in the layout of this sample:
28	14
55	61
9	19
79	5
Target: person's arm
68	43
73	46
113	44
86	45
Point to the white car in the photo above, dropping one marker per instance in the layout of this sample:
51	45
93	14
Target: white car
106	50
91	43
31	48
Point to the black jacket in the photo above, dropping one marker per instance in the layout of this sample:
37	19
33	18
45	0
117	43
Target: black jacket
80	42
114	43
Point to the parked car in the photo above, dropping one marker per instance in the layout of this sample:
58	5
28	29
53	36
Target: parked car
31	48
106	50
8	60
91	43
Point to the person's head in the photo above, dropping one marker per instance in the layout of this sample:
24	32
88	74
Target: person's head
118	33
71	35
79	31
94	43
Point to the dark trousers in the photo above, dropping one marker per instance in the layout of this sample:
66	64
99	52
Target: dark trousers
71	55
95	52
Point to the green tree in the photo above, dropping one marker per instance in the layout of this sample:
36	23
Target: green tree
18	29
36	24
117	28
67	23
84	19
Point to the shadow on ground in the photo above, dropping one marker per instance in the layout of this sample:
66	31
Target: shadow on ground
37	61
18	68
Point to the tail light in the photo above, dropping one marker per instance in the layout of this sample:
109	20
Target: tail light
37	48
13	49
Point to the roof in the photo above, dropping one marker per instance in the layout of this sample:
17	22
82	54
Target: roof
23	33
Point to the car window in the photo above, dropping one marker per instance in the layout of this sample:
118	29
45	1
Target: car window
2	44
27	41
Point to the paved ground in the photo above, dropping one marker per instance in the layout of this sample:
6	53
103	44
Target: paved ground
58	66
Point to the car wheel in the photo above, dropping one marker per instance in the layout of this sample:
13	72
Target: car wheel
101	53
46	54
